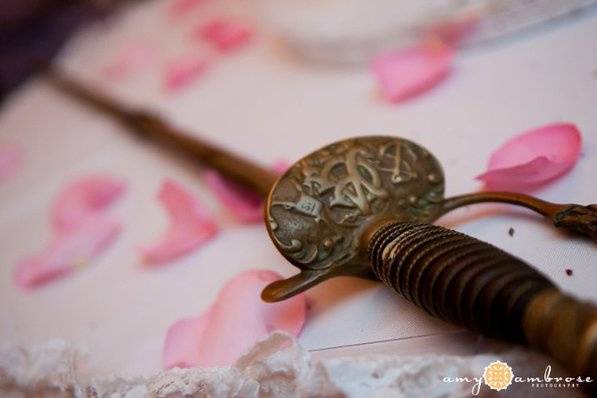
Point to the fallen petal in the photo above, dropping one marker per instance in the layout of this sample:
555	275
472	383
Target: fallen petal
225	35
129	60
233	324
452	31
406	73
68	250
180	346
179	8
533	158
245	205
280	166
11	158
183	72
85	197
190	225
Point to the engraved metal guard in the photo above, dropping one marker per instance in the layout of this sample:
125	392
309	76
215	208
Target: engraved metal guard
317	211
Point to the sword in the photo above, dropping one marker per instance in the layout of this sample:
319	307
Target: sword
364	207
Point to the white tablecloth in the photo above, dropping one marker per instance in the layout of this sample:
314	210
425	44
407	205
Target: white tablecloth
266	106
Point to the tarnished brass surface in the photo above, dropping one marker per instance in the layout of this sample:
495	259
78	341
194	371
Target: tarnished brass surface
571	217
472	283
578	218
318	209
565	328
322	209
455	277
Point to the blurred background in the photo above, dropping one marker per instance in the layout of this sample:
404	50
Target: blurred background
32	31
332	31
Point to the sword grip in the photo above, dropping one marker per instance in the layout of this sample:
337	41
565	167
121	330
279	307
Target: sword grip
566	329
469	282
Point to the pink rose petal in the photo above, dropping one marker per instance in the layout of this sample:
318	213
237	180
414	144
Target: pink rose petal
67	251
182	72
453	31
81	232
190	225
85	197
225	35
181	344
179	8
533	158
129	60
233	324
406	73
11	159
280	166
245	205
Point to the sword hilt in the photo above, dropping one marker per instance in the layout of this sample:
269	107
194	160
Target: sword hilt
472	283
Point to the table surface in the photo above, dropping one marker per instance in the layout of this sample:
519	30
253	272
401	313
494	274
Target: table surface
266	106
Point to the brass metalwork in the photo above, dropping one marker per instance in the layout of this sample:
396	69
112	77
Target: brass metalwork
469	282
320	210
571	217
349	209
455	277
317	211
565	328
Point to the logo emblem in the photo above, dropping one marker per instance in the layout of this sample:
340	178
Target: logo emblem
498	375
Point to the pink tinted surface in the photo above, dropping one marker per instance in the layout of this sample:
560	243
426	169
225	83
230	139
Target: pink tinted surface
246	206
129	60
84	197
11	159
183	72
232	324
179	8
454	30
280	166
533	158
67	251
406	73
190	225
81	230
224	34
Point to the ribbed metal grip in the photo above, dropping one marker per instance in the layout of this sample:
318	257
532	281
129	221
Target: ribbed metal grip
456	277
472	283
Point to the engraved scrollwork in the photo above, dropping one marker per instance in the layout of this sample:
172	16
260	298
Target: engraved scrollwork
578	218
356	186
305	205
316	209
401	169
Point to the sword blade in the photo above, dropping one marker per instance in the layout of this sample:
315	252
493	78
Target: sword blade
150	126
